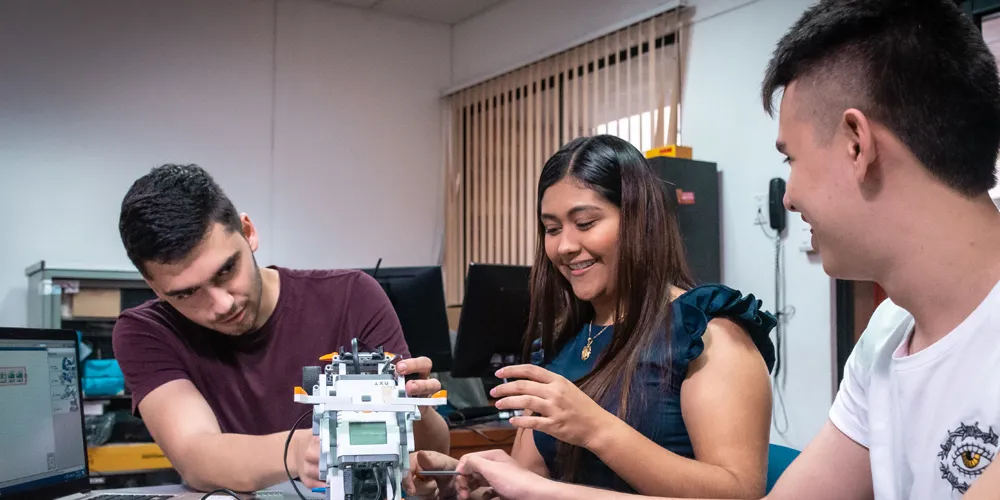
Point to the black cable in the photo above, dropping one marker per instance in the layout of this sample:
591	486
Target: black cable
285	460
354	351
221	490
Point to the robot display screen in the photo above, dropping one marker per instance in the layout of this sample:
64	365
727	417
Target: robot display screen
362	433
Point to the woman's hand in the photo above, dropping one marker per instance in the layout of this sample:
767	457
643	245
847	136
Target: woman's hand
430	487
497	476
558	407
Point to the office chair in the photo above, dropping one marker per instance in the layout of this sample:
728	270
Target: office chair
778	459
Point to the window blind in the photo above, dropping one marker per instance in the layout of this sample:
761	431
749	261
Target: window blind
499	133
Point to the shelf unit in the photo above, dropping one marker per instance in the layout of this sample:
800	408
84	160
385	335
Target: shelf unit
45	290
50	306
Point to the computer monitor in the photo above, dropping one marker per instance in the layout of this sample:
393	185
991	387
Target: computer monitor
41	415
417	295
493	321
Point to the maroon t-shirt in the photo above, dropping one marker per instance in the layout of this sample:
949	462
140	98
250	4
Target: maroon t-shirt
248	380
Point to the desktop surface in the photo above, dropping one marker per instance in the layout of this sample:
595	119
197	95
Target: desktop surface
281	491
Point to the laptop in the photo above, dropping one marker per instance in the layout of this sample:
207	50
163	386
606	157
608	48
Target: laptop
41	421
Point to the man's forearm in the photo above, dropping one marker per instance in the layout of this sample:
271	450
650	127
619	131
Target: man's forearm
239	462
431	432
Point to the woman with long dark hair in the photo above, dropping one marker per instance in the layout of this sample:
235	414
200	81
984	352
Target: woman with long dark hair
639	380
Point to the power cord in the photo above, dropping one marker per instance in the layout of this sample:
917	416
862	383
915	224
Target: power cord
225	491
285	459
782	312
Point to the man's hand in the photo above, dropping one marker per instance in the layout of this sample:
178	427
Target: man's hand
421	367
504	477
303	457
430	487
431	431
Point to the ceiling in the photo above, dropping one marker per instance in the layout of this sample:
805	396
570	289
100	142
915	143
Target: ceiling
440	11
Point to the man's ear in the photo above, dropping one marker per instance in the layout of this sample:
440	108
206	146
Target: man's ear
249	231
860	144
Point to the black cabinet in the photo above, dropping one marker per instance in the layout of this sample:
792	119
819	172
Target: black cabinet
692	191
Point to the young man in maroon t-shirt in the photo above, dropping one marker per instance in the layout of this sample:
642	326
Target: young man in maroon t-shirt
212	363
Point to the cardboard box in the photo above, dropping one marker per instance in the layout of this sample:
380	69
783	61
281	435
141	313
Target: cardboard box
97	303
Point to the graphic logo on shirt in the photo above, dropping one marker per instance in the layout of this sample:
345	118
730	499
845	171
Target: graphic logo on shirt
965	454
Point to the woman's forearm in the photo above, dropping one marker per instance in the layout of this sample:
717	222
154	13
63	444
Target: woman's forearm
653	470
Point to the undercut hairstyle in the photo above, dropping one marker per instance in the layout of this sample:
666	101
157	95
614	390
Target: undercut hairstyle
919	67
168	211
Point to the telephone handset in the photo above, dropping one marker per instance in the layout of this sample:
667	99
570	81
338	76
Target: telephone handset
776	204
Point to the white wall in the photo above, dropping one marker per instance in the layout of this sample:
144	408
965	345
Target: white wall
722	119
95	94
521	31
358	170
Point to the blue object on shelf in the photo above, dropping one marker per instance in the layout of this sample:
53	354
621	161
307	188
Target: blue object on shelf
102	368
103	386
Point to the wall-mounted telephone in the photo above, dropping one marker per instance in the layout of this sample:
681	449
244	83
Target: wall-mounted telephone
776	203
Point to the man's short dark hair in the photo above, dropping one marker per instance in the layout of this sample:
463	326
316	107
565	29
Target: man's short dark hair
168	211
919	67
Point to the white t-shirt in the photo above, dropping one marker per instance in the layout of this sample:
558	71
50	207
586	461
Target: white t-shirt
930	420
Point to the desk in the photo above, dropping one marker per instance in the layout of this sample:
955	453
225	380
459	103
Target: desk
131	458
177	489
482	437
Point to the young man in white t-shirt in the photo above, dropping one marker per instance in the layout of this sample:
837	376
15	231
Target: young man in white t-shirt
890	121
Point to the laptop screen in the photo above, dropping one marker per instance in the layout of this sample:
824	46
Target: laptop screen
41	428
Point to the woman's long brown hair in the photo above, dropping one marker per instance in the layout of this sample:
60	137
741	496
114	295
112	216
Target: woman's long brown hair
650	260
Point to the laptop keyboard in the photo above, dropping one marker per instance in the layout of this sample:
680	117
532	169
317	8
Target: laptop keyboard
126	496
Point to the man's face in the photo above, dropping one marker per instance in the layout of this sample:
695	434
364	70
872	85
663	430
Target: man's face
821	182
218	285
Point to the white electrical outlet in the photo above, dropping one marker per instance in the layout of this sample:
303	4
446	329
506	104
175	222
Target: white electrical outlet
760	212
805	239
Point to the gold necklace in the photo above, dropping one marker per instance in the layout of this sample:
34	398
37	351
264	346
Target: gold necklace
590	340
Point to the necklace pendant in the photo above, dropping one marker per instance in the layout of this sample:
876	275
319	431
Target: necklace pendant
586	352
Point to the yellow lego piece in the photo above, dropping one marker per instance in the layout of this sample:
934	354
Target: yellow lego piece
126	457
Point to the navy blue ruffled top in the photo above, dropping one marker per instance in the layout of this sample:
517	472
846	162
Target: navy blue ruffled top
662	421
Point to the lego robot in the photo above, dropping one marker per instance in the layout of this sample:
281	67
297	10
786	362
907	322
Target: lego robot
364	420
